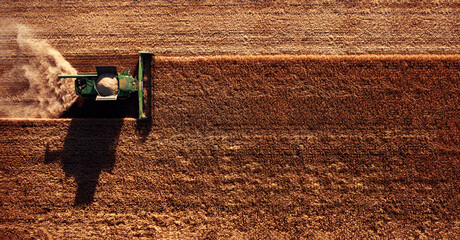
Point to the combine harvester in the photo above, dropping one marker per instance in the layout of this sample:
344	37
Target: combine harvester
109	85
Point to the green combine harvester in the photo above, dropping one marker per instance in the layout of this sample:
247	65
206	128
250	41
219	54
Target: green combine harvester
109	85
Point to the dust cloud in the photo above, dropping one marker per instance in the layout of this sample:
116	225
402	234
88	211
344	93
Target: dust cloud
41	94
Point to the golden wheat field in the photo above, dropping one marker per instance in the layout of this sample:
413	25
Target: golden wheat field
270	120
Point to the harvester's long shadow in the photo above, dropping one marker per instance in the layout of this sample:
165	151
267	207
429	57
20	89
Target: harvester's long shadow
91	142
89	149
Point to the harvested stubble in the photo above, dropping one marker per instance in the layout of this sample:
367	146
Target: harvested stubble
278	146
216	27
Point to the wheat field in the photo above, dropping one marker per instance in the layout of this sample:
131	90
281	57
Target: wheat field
270	120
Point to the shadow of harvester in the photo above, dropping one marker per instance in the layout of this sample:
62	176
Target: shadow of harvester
92	139
89	149
91	142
